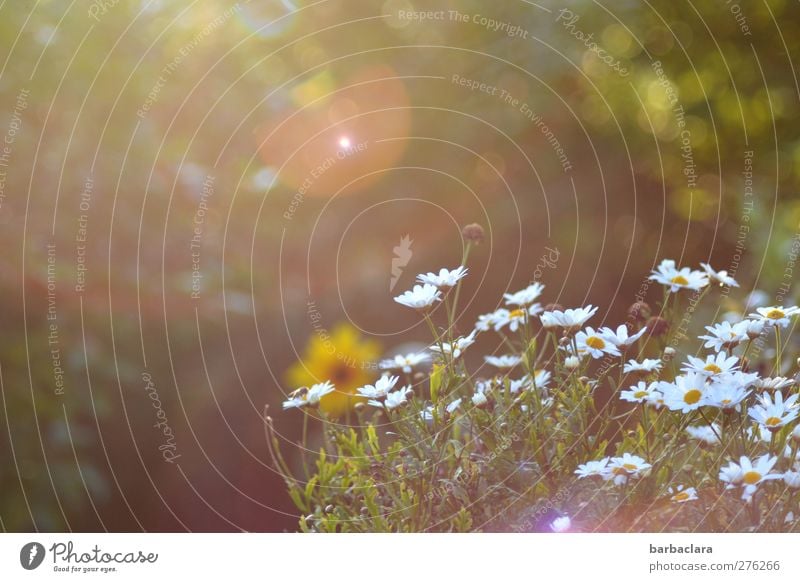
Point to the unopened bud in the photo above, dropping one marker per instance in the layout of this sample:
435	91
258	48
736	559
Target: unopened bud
359	407
669	351
473	233
329	509
657	326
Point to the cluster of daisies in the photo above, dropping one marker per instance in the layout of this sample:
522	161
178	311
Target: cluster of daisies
710	387
714	382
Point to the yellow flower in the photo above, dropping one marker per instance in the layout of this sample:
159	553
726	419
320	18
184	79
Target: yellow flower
344	358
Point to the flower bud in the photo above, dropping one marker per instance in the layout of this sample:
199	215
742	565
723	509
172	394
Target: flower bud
359	407
329	509
640	311
657	326
473	233
554	307
572	362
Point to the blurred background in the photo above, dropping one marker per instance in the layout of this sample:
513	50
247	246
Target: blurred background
206	204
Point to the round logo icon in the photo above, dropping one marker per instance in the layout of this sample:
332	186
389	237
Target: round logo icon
31	555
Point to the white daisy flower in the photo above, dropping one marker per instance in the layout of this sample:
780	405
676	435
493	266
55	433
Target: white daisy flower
796	433
705	433
640	393
620	337
393	399
773	414
480	399
753	328
561	524
646	365
725	336
681	495
749	474
426	414
525	297
541	378
420	297
294	402
720	278
792	479
759	433
772	316
453	406
593	468
457	347
380	389
595	343
569	319
308	396
677	279
739	378
514	318
445	279
620	469
491	320
714	365
686	394
725	395
405	362
572	362
777	383
504	362
514	386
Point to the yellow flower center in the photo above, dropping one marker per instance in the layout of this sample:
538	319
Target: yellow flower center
679	280
752	477
682	496
517	313
640	394
692	396
726	402
775	314
630	467
713	368
595	342
773	421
